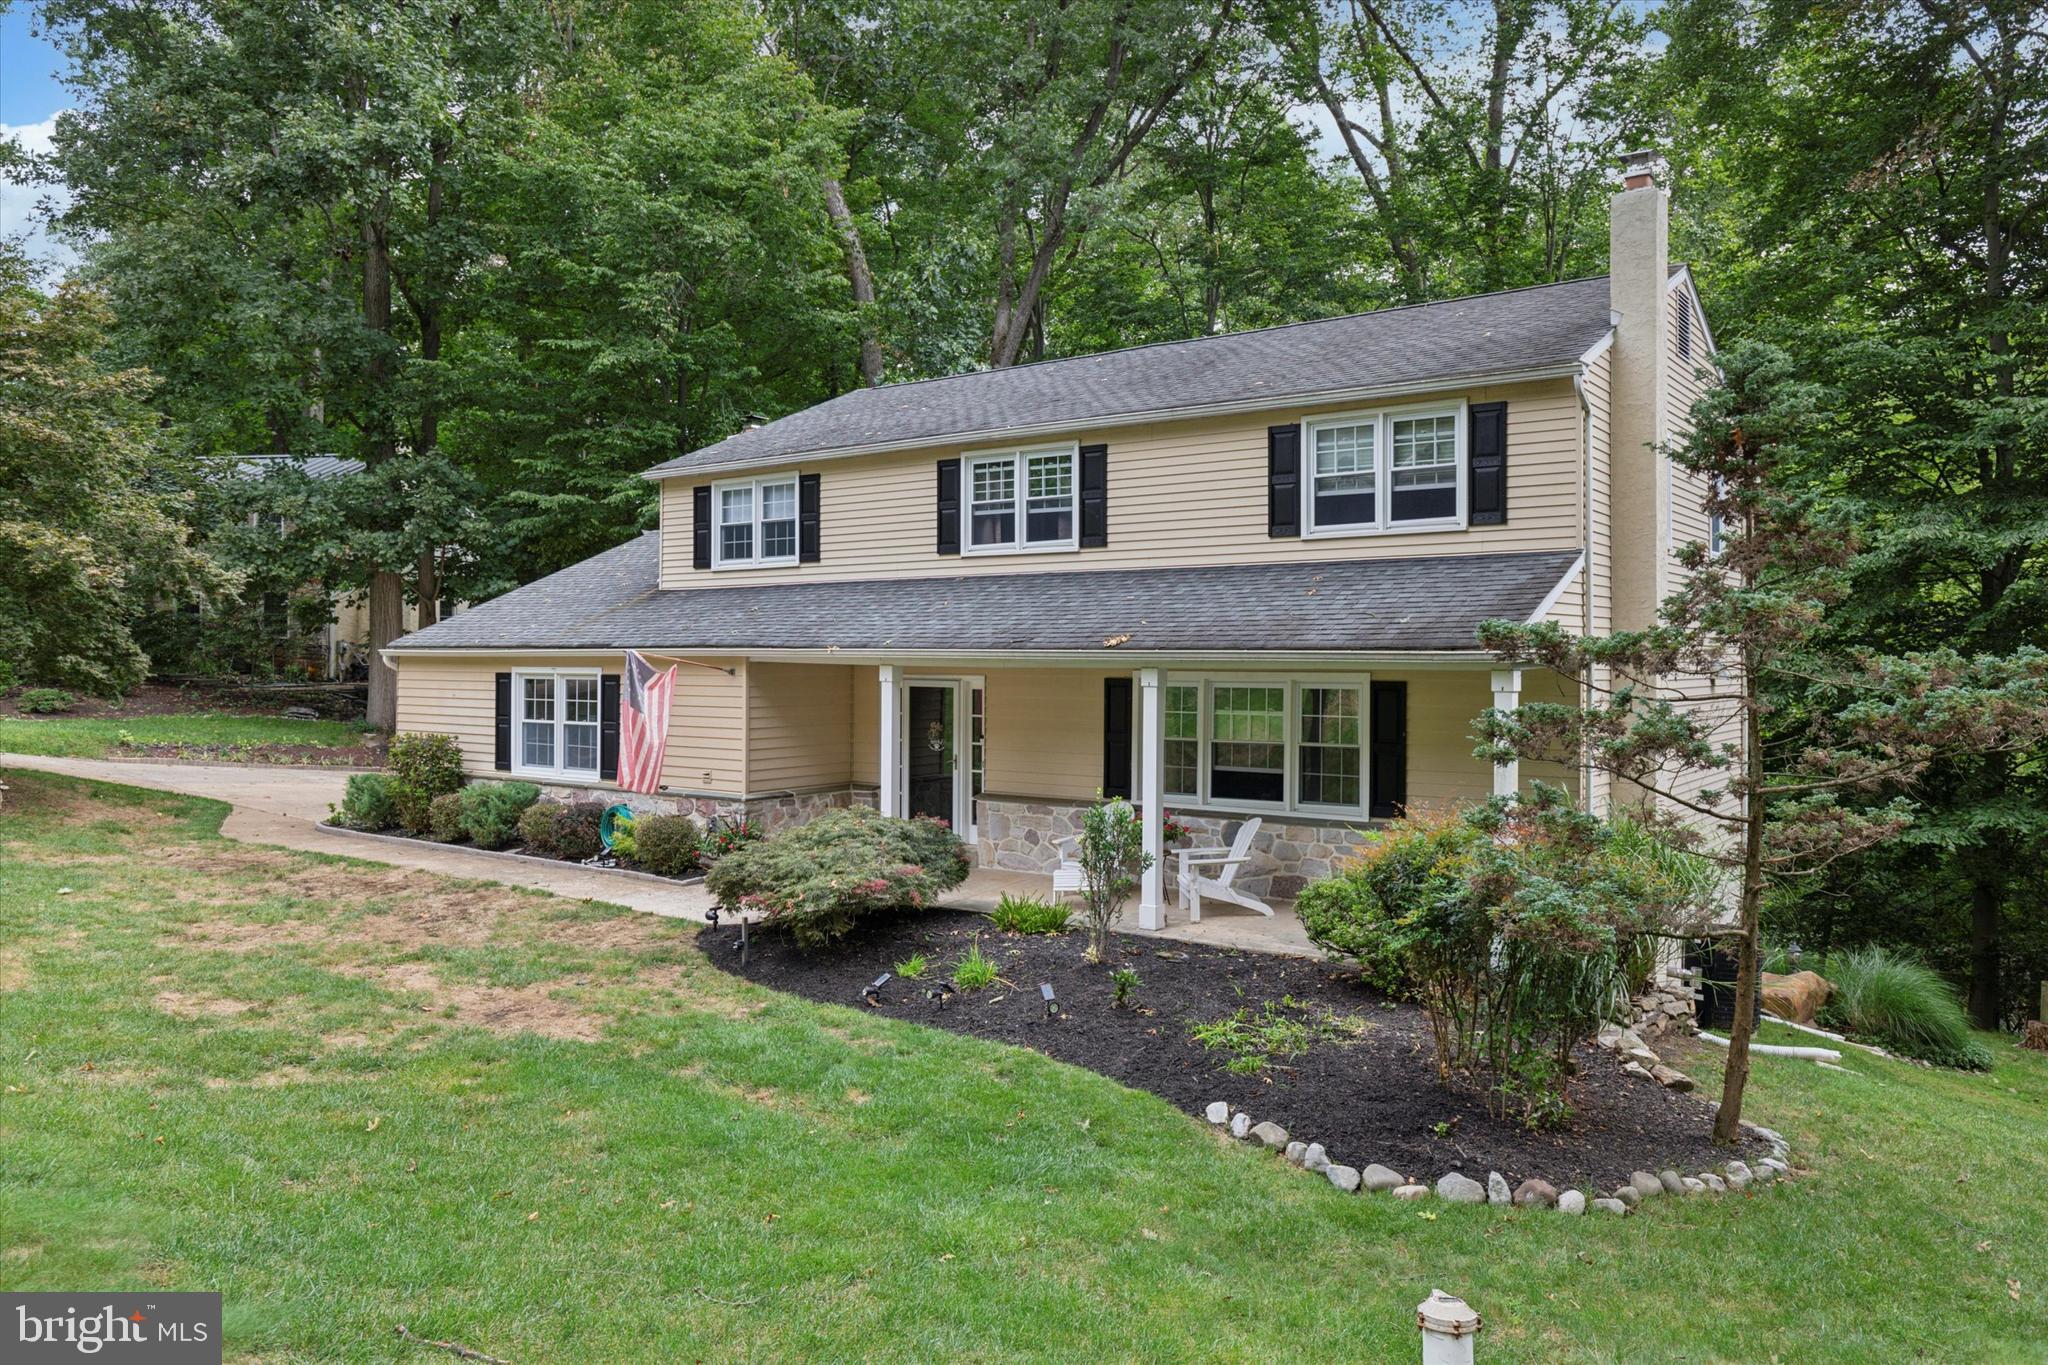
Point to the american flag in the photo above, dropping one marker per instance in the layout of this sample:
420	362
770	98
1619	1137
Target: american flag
643	723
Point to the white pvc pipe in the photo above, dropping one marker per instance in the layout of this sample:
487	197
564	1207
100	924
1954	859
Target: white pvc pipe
1823	1033
1806	1054
1448	1326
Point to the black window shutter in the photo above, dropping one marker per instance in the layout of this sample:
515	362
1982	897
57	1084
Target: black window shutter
1389	750
700	527
949	507
501	753
1283	481
1116	737
807	518
1487	452
608	727
1094	496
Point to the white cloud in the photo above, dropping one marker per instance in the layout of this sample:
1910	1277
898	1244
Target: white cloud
23	207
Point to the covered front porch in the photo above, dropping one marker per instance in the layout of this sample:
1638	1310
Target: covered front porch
1222	926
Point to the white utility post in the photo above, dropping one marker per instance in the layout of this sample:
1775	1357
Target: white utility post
1507	695
1448	1327
892	746
1152	795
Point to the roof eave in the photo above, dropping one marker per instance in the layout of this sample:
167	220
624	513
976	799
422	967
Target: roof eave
1355	393
1094	658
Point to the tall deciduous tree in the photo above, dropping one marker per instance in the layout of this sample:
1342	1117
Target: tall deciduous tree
1481	133
1873	193
90	519
1696	689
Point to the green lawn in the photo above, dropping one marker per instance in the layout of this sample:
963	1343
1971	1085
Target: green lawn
98	736
350	1097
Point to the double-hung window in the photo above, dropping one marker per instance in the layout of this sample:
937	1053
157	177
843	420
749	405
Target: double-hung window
1022	500
1266	744
558	724
755	522
1396	470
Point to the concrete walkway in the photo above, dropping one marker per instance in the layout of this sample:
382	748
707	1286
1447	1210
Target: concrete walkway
284	806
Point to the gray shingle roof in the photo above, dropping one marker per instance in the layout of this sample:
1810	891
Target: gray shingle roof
1488	334
1424	603
315	466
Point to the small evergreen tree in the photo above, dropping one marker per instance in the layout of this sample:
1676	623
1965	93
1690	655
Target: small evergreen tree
1680	725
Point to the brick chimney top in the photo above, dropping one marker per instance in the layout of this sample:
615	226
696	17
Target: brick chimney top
1639	169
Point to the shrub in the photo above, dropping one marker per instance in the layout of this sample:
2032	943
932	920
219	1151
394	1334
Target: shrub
666	845
1112	858
1900	1003
444	817
1123	985
433	763
490	811
44	701
913	967
1515	922
366	803
566	830
974	971
817	878
726	835
1340	915
1029	915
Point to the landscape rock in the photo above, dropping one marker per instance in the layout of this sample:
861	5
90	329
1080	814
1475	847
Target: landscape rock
1671	1078
1536	1192
1315	1158
1609	1036
1693	1186
1571	1201
1647	1185
1772	1163
1294	1151
1642	1055
1240	1125
1671	1183
1610	1206
300	713
1378	1178
1343	1177
1270	1133
1497	1191
1411	1192
1764	1172
1627	1194
1797	996
1714	1182
1218	1112
1637	1069
1737	1180
1461	1189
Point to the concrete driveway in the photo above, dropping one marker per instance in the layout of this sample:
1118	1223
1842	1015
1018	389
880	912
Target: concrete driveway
284	806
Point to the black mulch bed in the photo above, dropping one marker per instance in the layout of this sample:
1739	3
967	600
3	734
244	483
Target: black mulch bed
1365	1088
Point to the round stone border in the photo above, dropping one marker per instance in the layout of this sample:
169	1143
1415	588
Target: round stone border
1733	1177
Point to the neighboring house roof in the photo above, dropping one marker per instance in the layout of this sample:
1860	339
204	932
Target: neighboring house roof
315	466
1515	332
1426	603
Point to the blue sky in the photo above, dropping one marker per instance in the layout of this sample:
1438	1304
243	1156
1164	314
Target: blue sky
30	99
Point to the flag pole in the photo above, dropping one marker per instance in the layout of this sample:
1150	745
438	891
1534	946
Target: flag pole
673	659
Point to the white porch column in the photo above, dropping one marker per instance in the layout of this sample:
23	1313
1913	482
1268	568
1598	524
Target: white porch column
892	747
1152	795
1507	695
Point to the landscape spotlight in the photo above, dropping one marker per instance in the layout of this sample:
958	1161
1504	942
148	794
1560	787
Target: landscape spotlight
1052	1006
940	994
711	917
872	993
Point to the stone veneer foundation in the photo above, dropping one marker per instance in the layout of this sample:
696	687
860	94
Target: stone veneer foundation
1288	853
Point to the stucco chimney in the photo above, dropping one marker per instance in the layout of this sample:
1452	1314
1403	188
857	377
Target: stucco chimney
1639	254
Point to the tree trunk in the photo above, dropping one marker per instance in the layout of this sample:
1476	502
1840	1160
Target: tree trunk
387	589
858	276
1728	1122
427	589
387	622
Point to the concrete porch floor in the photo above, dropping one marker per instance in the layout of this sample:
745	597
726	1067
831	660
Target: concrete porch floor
1223	925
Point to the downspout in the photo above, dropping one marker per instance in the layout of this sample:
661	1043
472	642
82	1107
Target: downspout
1586	575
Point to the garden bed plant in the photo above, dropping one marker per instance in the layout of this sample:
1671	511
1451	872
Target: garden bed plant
424	796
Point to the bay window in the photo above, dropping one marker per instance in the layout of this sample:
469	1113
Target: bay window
1266	744
1397	470
756	522
558	724
1021	500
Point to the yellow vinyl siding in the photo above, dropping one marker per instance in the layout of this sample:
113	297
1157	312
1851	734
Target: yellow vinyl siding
458	696
1689	378
799	727
1180	492
1044	733
1441	708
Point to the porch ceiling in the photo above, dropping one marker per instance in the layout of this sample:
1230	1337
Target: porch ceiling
1413	604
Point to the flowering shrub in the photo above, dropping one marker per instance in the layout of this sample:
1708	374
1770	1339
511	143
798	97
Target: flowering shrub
1512	921
1172	828
727	835
817	878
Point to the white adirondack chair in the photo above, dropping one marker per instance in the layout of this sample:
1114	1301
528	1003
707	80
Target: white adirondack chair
1196	882
1067	876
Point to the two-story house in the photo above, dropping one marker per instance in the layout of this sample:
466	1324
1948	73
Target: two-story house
1228	576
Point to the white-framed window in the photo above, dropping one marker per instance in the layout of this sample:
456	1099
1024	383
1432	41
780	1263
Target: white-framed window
1397	469
753	522
1264	744
1023	500
555	724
